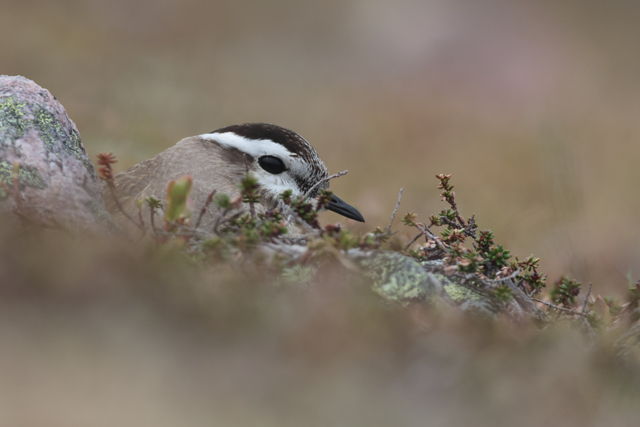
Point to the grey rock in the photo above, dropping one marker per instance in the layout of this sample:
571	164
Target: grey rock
57	183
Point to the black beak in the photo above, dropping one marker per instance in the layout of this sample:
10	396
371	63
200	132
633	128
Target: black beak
339	206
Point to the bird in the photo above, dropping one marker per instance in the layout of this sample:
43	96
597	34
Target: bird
277	157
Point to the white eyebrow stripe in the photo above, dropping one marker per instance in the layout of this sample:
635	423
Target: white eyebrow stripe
253	147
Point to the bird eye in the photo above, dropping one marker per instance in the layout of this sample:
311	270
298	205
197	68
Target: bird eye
271	164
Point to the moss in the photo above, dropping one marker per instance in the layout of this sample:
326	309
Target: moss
12	121
27	177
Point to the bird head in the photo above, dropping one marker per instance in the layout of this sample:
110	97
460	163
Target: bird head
280	159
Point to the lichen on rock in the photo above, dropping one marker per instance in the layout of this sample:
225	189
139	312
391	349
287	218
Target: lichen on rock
57	183
59	140
396	277
12	123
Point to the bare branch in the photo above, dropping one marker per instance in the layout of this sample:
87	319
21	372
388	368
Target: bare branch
565	310
502	279
322	181
451	223
393	215
429	234
470	229
415	239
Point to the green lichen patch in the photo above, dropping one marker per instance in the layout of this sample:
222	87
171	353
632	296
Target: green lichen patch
55	137
58	139
398	278
12	121
459	293
470	301
27	177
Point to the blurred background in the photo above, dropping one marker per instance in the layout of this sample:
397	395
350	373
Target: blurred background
534	107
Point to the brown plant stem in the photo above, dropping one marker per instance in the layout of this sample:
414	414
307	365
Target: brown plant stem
204	208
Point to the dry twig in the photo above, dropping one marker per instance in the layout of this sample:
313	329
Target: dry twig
322	181
502	279
565	310
429	234
393	215
415	239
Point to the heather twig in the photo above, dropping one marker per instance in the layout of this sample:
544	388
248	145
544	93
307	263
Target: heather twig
393	215
322	181
381	235
562	309
424	228
415	239
450	196
502	279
